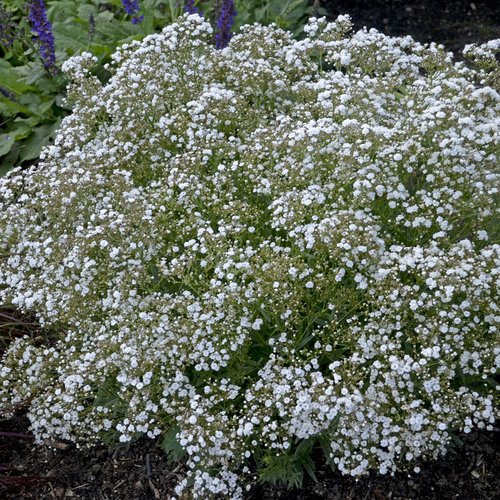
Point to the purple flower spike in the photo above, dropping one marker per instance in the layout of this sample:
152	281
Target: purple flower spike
190	8
224	23
132	8
7	29
91	31
43	33
8	94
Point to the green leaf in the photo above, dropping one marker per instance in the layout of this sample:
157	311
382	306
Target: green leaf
45	106
171	446
304	340
309	467
11	80
8	139
10	108
260	14
36	74
115	30
84	12
61	103
265	314
149	11
19	131
47	85
491	382
154	272
325	446
104	17
304	448
455	443
6	142
9	161
70	36
40	138
97	50
61	10
31	104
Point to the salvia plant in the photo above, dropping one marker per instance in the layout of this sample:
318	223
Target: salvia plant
132	8
259	251
225	20
190	7
43	33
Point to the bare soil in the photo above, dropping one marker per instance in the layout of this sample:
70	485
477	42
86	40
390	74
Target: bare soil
142	472
453	23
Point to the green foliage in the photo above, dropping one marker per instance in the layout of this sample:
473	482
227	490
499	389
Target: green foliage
287	14
33	102
172	447
288	468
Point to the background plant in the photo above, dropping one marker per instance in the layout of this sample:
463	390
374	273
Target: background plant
32	95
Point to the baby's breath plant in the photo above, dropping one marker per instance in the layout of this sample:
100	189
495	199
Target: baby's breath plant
260	250
36	37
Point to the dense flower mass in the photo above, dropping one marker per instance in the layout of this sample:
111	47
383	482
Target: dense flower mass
278	243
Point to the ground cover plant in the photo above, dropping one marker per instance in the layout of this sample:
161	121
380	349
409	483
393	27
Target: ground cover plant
324	271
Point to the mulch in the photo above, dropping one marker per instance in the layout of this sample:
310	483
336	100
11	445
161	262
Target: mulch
453	23
142	471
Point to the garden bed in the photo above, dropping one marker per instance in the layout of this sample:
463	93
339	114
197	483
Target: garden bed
143	472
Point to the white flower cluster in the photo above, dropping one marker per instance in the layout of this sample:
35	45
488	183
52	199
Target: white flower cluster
278	241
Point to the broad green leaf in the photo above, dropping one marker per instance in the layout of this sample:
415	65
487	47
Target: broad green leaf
40	138
11	80
13	5
61	103
10	108
70	36
30	121
260	14
45	106
104	17
61	10
101	51
172	447
32	102
19	131
116	30
9	161
6	142
47	85
84	12
35	74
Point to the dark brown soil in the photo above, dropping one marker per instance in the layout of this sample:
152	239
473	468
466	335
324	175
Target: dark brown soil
472	473
454	23
143	472
63	471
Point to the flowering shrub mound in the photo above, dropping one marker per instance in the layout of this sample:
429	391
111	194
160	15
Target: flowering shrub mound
264	248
